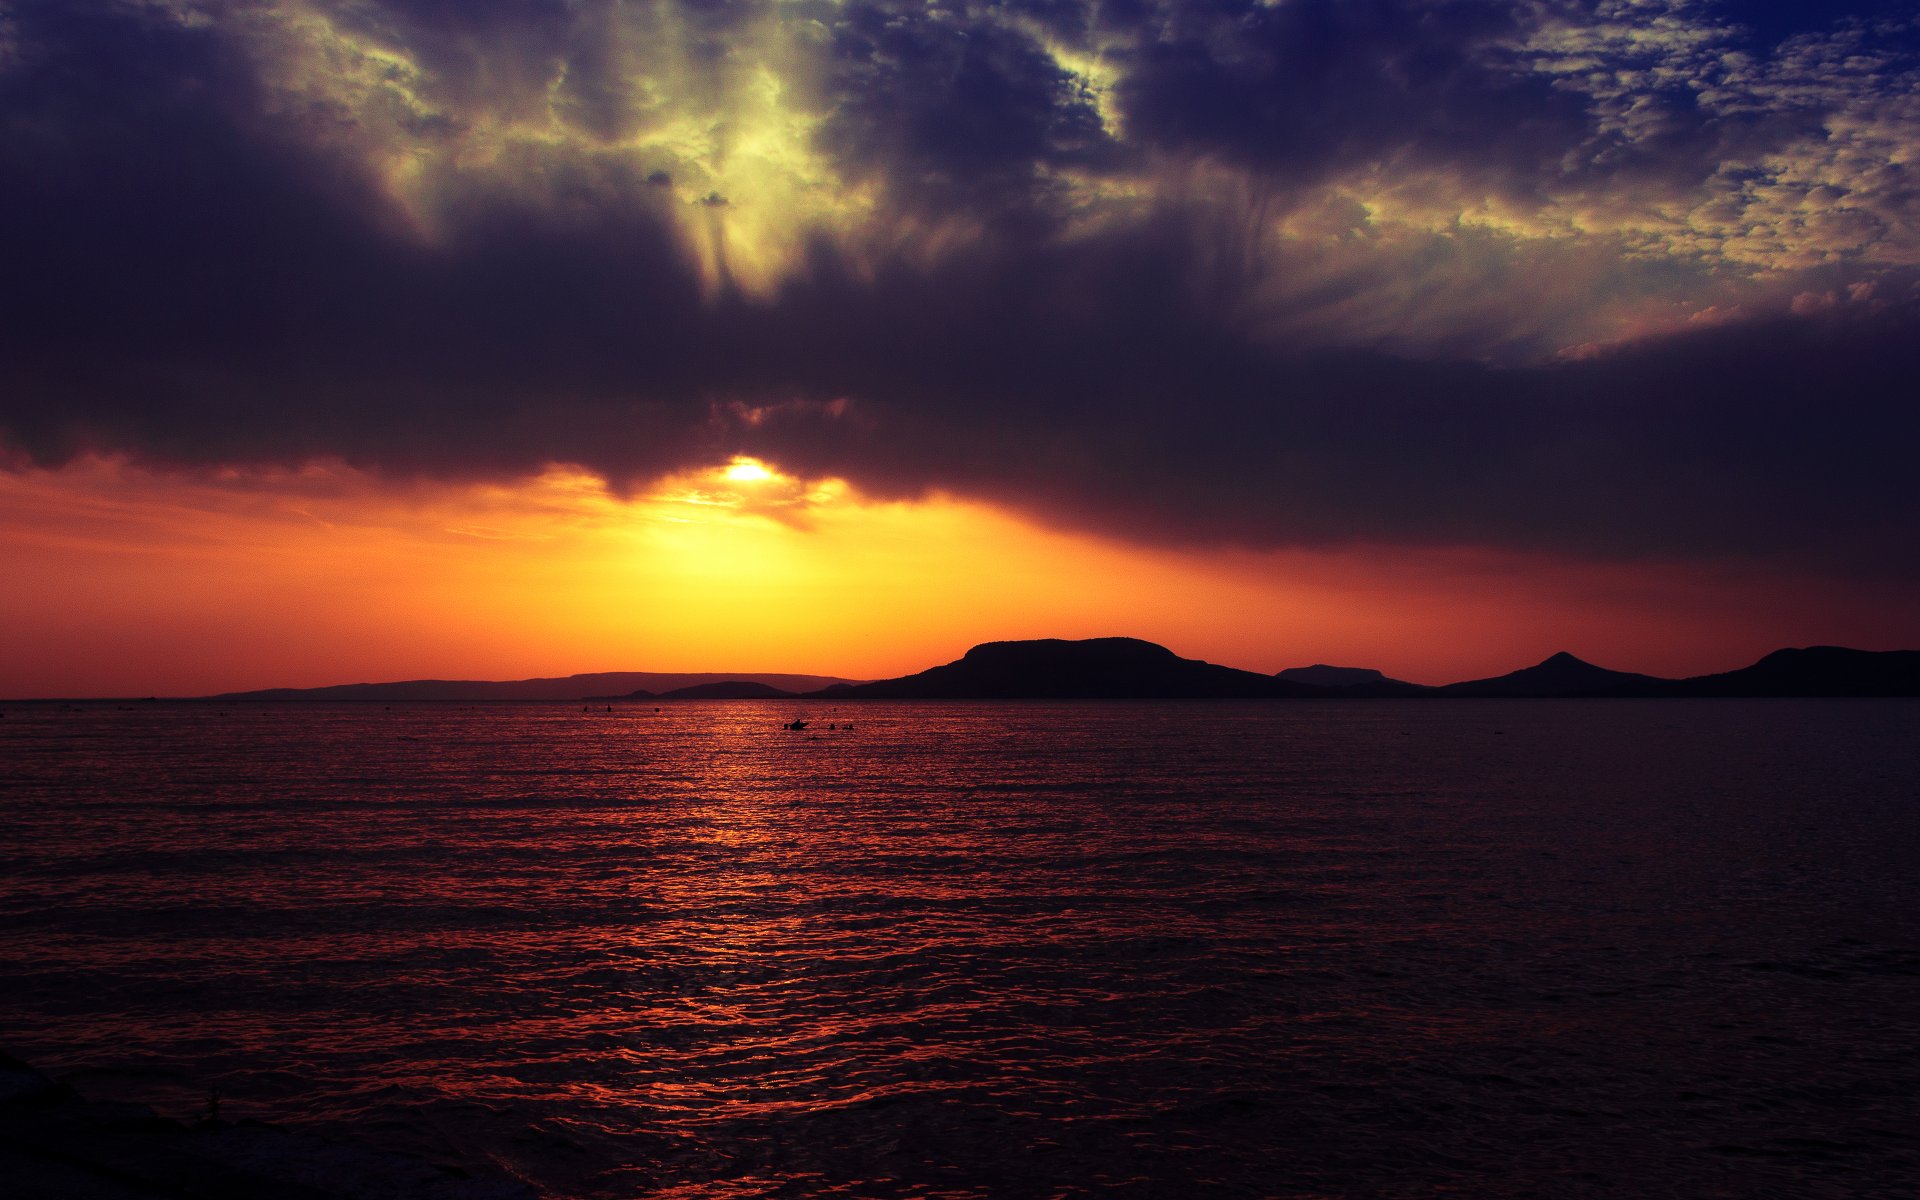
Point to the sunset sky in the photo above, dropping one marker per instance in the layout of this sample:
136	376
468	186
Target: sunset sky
354	340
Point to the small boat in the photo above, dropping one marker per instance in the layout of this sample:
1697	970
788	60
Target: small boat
796	726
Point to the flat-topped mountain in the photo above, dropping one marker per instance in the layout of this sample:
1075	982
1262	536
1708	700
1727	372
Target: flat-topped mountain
1560	675
1352	682
601	685
731	689
1322	675
1097	668
1815	671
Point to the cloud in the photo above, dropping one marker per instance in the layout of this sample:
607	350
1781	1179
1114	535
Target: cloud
1613	279
1778	437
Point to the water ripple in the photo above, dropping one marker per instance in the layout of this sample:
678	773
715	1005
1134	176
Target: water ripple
1008	951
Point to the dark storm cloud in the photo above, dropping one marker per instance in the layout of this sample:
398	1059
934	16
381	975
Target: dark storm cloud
1541	104
1311	85
1121	407
192	281
957	113
1769	22
200	270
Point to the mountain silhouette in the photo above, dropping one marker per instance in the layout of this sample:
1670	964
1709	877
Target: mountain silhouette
1129	668
731	689
1560	675
1322	675
601	685
1352	683
1815	671
1097	668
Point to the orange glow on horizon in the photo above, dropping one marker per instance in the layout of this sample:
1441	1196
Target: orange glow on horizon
128	582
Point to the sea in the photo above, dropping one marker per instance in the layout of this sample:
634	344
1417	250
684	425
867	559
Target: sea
1630	948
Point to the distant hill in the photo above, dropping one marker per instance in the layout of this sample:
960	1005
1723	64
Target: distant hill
1128	668
1097	668
1322	675
1562	675
1815	671
1353	682
603	685
732	689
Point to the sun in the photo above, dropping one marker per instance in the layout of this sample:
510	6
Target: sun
747	470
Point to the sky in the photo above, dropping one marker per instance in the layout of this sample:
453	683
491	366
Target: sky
372	339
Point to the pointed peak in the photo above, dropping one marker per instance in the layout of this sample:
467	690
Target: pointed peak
1563	659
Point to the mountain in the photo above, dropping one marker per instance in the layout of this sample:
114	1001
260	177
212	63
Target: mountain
1321	675
1097	668
1354	683
1815	671
603	685
1129	668
732	689
1561	675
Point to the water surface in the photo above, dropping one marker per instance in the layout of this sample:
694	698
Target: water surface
1493	948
